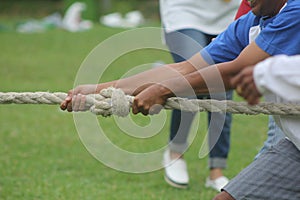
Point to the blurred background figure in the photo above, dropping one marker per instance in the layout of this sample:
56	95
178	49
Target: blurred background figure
73	21
190	25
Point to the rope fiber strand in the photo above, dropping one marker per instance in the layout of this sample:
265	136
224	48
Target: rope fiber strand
113	101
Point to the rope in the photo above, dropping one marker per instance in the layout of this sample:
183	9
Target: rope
113	101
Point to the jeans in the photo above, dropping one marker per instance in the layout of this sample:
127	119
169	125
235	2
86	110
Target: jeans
183	44
274	136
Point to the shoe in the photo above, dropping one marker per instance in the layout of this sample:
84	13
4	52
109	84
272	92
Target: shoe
175	171
216	184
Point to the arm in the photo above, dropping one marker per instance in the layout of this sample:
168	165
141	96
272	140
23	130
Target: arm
134	84
210	79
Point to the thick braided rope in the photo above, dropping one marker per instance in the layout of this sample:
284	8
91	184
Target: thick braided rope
113	101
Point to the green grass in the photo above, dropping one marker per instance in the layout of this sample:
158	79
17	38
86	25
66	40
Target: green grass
42	156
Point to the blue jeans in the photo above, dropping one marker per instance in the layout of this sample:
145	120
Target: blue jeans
182	48
274	136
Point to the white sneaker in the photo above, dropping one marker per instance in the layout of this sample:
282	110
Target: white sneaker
175	171
216	184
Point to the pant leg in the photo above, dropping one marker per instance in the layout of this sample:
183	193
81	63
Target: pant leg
219	135
274	175
275	134
183	44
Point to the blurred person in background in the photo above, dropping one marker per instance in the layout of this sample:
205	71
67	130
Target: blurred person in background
190	25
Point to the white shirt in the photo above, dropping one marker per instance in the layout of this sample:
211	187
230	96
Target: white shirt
278	79
209	16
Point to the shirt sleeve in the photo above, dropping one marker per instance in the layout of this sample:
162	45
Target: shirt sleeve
228	45
281	36
279	75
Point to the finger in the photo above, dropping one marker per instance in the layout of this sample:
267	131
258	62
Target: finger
247	91
239	90
69	107
76	102
139	106
250	92
236	80
134	106
246	82
82	106
63	105
142	108
144	111
253	99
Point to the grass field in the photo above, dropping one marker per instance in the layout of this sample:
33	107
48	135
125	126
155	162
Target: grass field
42	156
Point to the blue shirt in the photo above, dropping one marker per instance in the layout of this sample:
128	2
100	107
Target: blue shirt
279	35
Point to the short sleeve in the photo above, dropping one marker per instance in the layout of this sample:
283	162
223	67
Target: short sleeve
228	45
281	36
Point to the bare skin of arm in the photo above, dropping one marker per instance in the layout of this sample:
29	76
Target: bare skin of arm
146	100
134	84
154	86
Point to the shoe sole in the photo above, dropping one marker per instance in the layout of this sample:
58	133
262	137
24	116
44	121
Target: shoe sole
174	184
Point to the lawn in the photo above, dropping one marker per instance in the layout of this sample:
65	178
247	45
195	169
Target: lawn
42	155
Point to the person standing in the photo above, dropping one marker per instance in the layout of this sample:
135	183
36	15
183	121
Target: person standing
190	25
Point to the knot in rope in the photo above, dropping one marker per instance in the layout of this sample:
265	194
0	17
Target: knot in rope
112	101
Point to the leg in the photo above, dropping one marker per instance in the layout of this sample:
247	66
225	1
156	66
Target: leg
182	44
273	175
274	136
219	144
180	127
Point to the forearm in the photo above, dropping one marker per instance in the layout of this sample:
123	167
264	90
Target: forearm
136	83
216	78
212	79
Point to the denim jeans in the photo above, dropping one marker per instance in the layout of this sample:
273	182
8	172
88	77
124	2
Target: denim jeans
183	44
274	136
